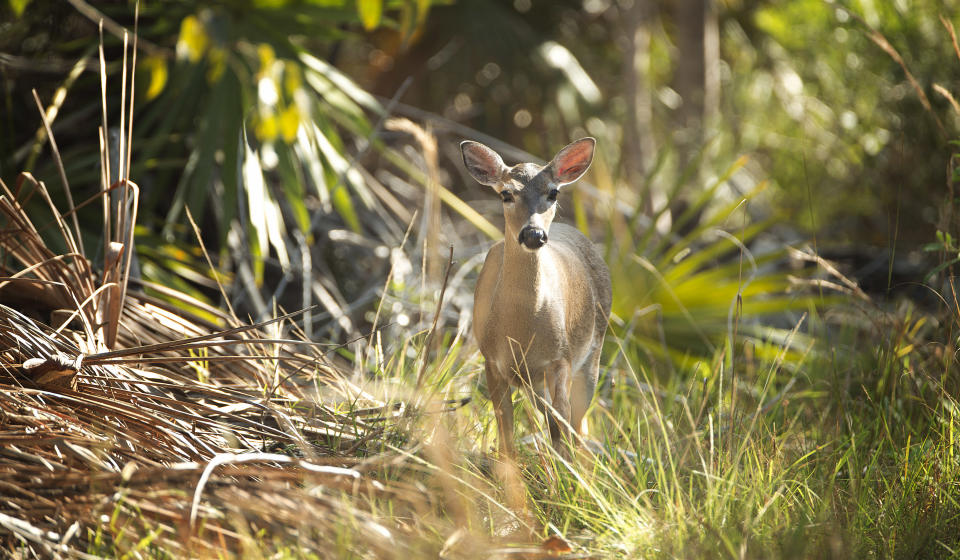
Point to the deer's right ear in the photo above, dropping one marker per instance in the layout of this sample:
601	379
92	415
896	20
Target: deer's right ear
483	163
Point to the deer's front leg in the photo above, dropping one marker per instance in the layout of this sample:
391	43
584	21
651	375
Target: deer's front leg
558	383
501	397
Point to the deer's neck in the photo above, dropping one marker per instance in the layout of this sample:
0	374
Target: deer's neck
522	273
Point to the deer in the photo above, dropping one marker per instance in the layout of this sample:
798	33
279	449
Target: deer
543	295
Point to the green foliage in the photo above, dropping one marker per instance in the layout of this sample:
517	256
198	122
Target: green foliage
681	290
370	13
247	69
236	119
945	245
825	114
832	115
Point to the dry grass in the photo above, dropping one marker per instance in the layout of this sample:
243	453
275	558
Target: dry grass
187	440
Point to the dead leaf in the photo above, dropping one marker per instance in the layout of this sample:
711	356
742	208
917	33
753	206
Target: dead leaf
555	545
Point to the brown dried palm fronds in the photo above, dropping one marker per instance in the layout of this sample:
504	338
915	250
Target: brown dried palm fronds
67	451
171	439
34	275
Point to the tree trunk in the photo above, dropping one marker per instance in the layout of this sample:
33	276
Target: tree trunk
639	149
696	77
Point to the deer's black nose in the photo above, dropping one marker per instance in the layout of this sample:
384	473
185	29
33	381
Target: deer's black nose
532	237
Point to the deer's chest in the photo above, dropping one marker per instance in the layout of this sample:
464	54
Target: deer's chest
524	334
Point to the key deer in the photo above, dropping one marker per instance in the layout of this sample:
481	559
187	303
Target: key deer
543	295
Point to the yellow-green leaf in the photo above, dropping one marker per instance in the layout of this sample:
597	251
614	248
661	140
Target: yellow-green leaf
18	6
217	64
193	40
289	123
267	127
292	79
344	207
423	7
157	67
267	56
370	12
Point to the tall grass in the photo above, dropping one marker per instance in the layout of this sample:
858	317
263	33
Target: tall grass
823	459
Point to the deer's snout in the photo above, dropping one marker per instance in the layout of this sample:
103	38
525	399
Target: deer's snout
533	237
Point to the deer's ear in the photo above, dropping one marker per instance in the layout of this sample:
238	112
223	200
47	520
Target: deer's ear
483	163
572	162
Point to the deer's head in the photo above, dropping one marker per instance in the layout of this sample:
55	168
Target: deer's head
528	191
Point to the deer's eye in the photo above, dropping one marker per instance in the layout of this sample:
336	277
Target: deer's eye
506	196
552	195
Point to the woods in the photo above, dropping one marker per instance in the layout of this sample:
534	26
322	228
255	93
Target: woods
239	251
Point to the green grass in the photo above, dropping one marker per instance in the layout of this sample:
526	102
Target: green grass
850	450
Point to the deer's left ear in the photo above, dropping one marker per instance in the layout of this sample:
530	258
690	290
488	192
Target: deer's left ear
572	162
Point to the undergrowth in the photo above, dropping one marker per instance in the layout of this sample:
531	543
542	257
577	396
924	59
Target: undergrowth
853	451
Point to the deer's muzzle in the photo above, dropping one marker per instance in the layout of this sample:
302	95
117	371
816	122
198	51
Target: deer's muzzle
532	237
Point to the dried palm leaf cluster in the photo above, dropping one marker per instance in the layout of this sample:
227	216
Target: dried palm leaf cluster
171	439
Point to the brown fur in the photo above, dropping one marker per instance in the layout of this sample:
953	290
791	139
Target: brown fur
540	315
